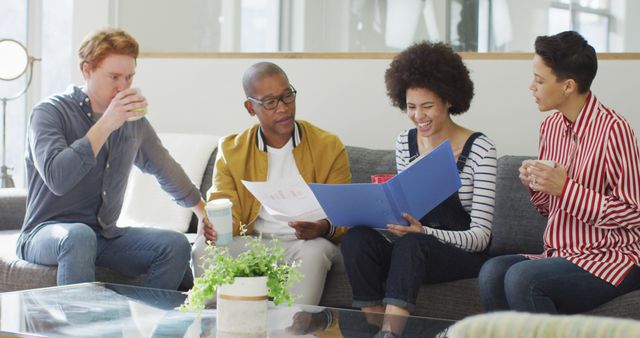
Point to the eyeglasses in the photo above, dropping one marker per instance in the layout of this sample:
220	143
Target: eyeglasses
272	103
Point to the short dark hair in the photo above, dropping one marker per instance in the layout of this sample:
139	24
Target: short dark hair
569	56
432	66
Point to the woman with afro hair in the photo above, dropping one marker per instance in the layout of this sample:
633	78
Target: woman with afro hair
386	268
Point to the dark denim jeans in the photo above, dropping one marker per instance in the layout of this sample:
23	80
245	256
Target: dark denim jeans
387	272
550	285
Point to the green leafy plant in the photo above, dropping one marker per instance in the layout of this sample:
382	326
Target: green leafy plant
259	260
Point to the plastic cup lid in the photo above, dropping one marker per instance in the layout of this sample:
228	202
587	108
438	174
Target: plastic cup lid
219	204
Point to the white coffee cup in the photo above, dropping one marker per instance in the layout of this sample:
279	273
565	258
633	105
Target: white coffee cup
219	213
548	163
142	110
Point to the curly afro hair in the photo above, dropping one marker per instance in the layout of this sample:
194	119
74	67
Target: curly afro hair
433	66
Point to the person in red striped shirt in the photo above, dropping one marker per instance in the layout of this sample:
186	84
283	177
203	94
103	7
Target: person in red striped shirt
590	193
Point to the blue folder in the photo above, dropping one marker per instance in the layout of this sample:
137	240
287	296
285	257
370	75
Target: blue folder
427	182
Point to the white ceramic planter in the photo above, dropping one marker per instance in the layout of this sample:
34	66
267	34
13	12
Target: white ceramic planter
242	306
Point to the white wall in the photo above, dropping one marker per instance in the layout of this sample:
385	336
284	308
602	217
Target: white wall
528	19
329	25
348	98
631	26
88	16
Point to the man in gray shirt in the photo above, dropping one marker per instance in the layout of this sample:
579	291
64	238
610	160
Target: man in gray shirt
81	147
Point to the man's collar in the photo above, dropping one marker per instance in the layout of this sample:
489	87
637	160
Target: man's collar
80	96
261	140
82	99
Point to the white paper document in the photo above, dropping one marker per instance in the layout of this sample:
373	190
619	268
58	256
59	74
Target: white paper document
287	199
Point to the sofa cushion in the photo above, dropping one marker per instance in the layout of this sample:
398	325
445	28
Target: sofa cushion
8	238
625	306
365	162
146	204
13	205
517	226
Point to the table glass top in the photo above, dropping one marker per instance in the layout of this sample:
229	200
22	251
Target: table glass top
113	310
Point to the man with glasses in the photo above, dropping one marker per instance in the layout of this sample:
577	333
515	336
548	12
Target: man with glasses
279	147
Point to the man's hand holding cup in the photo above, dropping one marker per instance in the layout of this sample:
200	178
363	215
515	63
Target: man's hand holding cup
219	216
207	230
121	109
140	111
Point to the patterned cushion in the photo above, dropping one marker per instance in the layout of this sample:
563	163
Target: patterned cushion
518	324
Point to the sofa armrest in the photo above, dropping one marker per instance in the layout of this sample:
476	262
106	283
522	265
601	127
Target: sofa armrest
13	202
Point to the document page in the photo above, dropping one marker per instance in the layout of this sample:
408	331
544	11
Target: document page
287	199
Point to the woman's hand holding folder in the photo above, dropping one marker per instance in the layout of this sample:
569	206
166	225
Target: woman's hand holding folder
401	230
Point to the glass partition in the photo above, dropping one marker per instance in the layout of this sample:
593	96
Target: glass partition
373	25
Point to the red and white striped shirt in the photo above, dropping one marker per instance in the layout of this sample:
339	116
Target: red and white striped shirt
595	223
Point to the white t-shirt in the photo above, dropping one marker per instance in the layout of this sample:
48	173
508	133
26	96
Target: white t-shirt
282	164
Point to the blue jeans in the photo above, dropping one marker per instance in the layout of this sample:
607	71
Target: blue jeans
382	272
549	285
77	249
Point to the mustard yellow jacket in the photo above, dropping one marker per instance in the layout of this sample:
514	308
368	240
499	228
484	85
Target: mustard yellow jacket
320	157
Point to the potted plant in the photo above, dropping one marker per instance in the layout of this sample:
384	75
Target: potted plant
243	285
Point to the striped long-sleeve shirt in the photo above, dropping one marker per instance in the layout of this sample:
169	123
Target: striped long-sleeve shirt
477	193
595	222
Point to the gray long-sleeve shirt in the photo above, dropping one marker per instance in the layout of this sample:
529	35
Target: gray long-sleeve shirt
66	183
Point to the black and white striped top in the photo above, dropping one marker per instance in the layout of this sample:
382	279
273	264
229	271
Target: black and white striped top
477	193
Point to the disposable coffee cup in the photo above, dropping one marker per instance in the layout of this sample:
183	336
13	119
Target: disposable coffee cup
141	110
219	213
381	178
548	163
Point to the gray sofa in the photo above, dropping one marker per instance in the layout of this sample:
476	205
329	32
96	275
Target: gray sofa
517	228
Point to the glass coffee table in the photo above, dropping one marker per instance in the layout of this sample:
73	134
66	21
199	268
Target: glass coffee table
114	310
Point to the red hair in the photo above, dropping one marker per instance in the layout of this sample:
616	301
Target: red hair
97	46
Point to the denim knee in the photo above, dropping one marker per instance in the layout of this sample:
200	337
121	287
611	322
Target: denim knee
80	240
491	281
520	287
318	250
76	253
177	246
412	242
357	238
496	268
407	270
359	234
491	271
